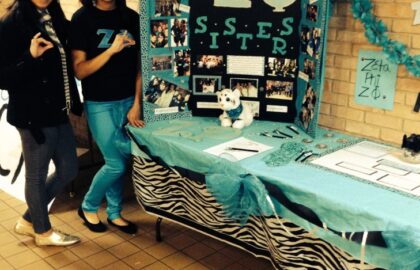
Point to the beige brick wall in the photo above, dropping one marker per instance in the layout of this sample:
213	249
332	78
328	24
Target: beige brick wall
345	39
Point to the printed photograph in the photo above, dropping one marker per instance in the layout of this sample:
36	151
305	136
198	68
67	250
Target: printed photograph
282	67
307	111
167	8
160	63
209	63
279	90
247	87
310	39
309	68
207	85
166	94
159	34
179	32
312	12
182	63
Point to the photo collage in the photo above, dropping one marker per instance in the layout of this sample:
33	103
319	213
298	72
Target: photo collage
170	56
256	77
310	40
274	77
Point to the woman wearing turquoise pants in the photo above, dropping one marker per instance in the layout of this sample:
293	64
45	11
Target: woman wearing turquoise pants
104	41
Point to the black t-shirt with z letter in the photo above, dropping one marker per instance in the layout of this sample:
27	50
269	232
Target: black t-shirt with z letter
93	31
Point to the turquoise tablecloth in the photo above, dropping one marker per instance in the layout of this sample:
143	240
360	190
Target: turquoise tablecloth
341	202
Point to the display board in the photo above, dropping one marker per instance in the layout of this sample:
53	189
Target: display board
271	50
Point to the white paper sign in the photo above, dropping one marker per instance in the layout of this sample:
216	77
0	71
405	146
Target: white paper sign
238	149
416	7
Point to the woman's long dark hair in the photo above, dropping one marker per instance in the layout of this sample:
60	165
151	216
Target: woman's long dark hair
31	16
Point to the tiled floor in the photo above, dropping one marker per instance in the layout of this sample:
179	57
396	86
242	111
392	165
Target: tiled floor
181	248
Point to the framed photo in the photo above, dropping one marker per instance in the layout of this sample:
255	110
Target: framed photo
165	94
310	40
279	90
247	87
182	63
312	12
206	85
160	63
309	68
167	8
212	64
307	109
159	34
179	32
282	67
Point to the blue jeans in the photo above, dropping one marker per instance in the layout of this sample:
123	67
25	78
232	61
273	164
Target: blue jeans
106	122
60	147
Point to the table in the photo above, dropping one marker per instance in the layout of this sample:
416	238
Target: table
316	211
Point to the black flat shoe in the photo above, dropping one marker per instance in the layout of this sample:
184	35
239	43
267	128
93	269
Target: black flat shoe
99	227
131	228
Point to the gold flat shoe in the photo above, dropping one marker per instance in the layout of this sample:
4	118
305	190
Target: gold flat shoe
24	229
56	238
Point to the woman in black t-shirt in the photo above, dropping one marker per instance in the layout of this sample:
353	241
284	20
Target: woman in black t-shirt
105	45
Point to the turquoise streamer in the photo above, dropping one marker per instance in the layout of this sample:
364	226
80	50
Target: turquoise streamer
376	33
240	193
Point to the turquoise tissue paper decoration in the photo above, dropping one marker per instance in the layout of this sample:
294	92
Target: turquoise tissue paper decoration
377	33
240	193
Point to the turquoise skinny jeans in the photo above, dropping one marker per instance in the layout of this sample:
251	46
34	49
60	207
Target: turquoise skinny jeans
106	122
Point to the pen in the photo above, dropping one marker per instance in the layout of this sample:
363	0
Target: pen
304	154
266	134
292	128
243	149
282	133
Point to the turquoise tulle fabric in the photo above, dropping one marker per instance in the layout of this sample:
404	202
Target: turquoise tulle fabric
240	193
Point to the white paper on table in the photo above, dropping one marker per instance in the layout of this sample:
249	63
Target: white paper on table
221	150
373	162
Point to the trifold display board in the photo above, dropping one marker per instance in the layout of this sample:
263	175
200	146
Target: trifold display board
272	51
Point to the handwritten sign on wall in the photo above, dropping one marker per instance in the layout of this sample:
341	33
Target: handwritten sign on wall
376	78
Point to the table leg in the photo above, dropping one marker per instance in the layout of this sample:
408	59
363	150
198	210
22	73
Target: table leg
158	234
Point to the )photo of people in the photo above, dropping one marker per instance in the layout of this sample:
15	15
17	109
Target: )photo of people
282	67
167	8
210	63
279	90
179	32
307	111
165	94
159	34
309	68
182	63
206	85
161	63
310	41
247	87
312	12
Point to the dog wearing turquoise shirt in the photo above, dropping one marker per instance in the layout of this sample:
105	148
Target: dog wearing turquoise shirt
235	114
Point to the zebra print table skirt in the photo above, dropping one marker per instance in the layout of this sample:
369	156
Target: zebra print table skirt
164	192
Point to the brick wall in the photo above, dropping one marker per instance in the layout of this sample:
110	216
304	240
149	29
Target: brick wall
345	39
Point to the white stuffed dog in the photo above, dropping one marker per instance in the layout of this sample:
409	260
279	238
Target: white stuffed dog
235	113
